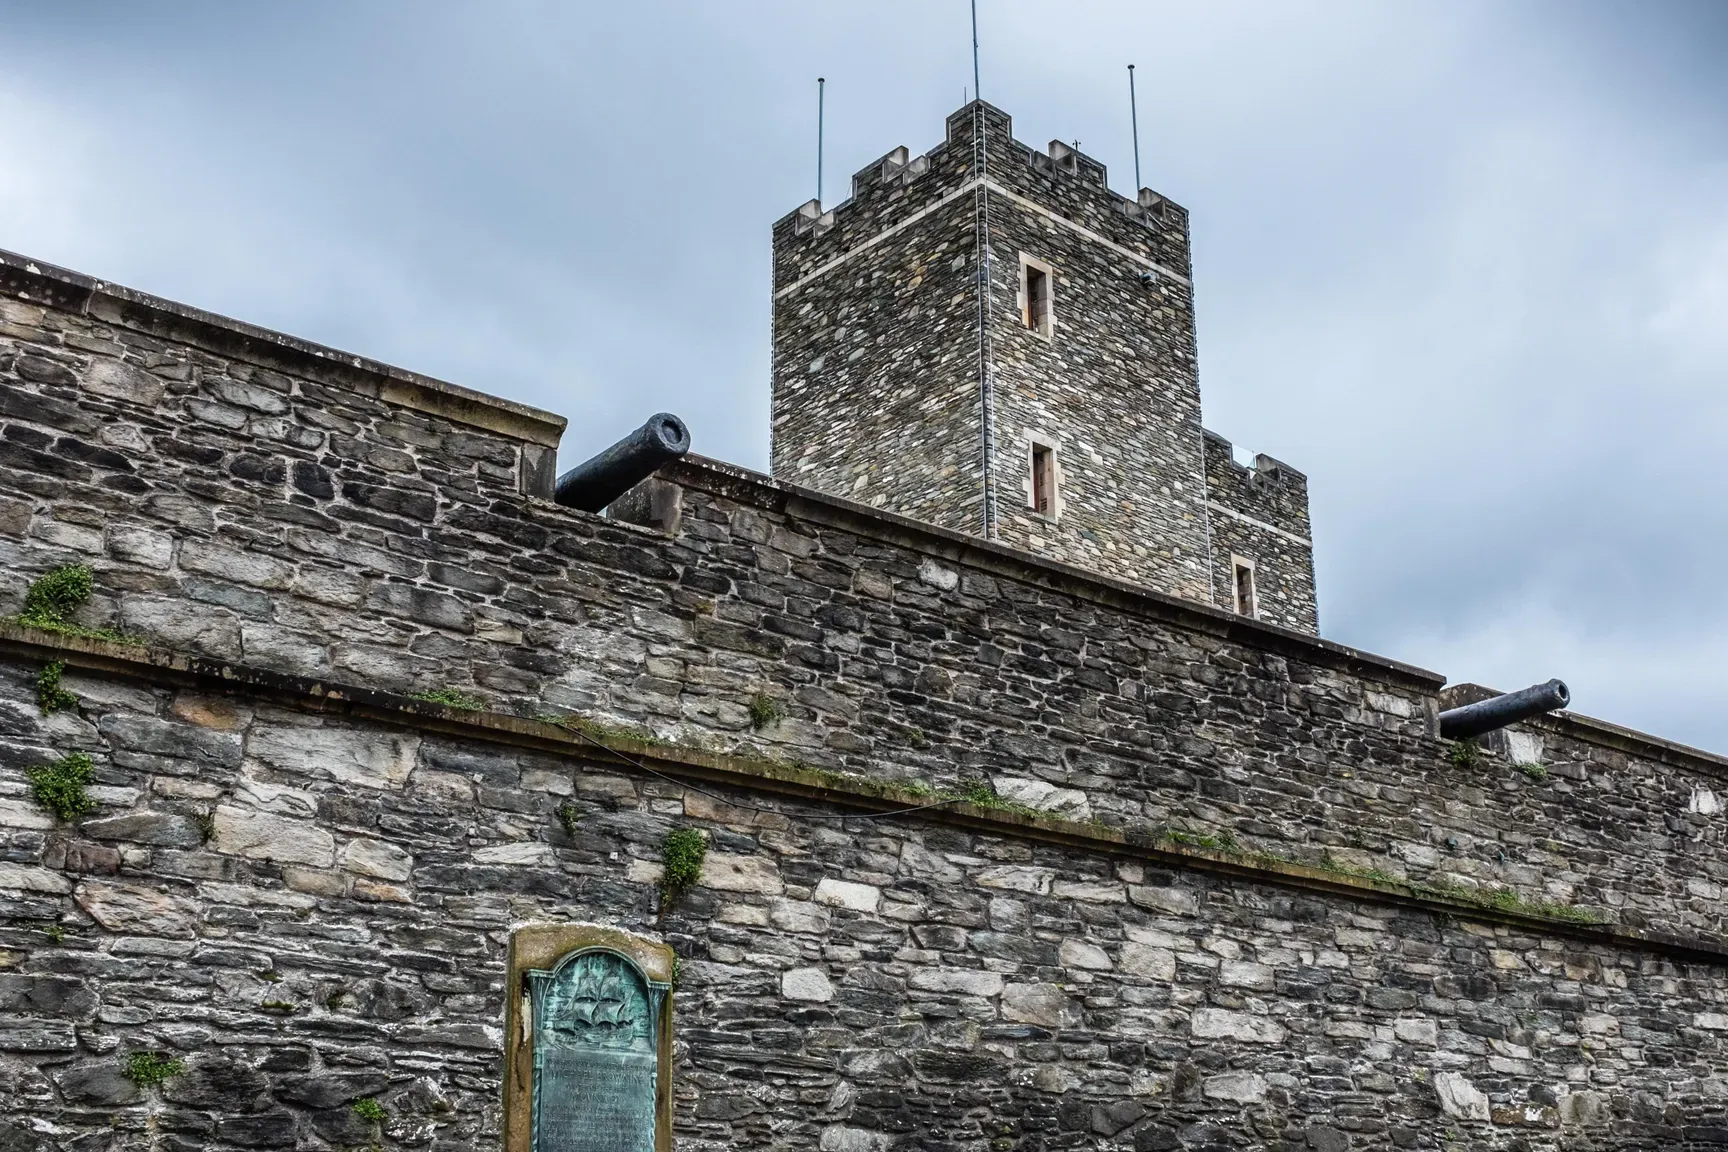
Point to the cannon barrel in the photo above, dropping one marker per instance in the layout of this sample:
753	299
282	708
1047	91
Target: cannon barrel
1499	711
596	482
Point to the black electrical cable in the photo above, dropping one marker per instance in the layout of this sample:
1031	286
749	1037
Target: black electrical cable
635	761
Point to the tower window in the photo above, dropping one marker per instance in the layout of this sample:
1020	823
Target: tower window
1044	479
1242	580
1037	303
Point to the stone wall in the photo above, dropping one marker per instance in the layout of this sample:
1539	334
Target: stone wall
1261	513
886	647
1239	915
312	908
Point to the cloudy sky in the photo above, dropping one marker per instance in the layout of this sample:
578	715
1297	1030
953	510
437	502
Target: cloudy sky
1465	263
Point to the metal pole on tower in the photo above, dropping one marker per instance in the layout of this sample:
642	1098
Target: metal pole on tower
1134	118
821	85
977	92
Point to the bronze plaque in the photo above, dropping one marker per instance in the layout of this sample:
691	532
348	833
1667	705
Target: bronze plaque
596	1020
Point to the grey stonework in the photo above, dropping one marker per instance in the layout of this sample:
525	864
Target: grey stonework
1261	513
891	984
878	355
310	904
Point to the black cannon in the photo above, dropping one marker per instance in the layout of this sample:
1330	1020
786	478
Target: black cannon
596	482
1499	711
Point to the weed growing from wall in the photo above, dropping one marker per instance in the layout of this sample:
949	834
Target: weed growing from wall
1465	753
370	1109
50	696
980	794
681	856
54	597
570	817
1533	771
451	698
764	710
63	787
148	1069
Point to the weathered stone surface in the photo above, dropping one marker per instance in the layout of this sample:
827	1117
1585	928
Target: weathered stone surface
367	759
165	829
1459	1097
1240	1087
262	836
377	858
1152	963
95	1082
132	910
1042	1004
1219	1023
811	984
731	873
1080	954
343	935
964	981
845	894
29	878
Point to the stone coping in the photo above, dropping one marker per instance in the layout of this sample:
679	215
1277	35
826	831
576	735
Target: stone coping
746	487
39	282
780	779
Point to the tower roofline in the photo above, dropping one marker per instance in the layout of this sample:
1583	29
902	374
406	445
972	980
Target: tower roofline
898	168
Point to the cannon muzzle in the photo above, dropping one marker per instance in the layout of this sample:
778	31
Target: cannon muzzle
1498	711
595	483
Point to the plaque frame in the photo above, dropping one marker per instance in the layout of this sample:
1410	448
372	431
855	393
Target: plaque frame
542	947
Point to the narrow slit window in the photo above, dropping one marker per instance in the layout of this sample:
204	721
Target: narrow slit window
1043	479
1037	299
1244	582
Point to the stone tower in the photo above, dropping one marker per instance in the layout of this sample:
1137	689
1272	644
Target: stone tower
987	338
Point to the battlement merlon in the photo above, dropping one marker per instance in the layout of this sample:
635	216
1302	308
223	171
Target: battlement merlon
1269	489
898	187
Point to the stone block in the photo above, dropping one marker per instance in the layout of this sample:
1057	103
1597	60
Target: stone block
1015	878
30	878
1223	1024
377	858
1045	1005
118	380
24	814
799	916
374	758
733	873
127	909
1241	974
1237	1087
809	984
845	894
1459	1098
1080	954
967	981
520	852
1157	964
164	829
839	1138
254	568
264	836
